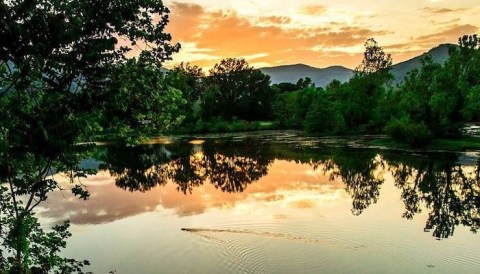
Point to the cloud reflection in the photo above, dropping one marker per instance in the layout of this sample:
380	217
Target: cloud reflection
286	182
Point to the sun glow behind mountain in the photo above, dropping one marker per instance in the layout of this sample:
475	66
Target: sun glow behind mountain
317	33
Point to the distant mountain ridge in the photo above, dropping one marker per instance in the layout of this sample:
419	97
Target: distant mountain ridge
320	76
439	55
323	76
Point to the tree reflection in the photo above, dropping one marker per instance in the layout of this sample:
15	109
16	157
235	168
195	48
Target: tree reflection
136	168
233	173
358	172
440	185
448	190
144	167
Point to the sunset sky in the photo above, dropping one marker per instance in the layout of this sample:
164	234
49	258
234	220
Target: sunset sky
319	33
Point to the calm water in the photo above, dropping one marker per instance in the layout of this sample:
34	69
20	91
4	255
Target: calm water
274	203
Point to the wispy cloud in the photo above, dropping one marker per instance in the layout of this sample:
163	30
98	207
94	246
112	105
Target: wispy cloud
227	34
435	10
318	33
313	10
447	34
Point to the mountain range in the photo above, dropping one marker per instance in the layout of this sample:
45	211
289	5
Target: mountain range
323	76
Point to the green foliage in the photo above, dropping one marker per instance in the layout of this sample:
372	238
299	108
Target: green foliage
290	109
471	112
140	104
189	79
303	83
237	90
323	116
362	99
439	99
434	101
358	105
40	250
403	130
65	76
61	58
285	87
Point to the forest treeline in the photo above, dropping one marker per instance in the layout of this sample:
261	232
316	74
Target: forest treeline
433	101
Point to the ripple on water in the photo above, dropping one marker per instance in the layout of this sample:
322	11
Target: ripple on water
465	260
249	251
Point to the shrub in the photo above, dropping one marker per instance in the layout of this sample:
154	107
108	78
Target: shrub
403	130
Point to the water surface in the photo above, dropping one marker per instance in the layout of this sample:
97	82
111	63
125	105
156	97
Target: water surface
274	203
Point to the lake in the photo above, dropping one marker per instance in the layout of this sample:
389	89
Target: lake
273	203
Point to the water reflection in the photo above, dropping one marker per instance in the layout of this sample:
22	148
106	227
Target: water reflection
229	172
359	174
142	168
450	192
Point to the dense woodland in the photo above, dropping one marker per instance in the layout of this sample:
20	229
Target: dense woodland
434	101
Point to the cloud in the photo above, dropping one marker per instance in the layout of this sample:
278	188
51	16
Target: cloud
184	20
421	44
109	203
450	22
275	20
318	35
450	34
433	10
227	34
313	10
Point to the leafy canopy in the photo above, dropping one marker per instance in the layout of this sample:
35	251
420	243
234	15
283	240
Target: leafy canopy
65	75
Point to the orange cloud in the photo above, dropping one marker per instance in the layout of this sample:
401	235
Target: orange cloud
422	44
451	33
226	34
184	21
109	203
275	20
442	10
317	35
314	10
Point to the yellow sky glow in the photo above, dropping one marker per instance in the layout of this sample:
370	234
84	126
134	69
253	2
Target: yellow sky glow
319	33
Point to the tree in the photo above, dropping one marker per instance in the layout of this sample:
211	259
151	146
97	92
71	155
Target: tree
437	99
291	108
374	59
59	67
362	97
154	106
323	115
305	83
443	186
243	91
285	87
190	80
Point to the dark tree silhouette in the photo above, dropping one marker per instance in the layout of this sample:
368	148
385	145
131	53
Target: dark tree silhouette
374	59
136	168
144	167
238	90
451	195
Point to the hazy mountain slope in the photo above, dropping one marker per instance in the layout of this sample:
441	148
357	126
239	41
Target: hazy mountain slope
439	55
323	76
